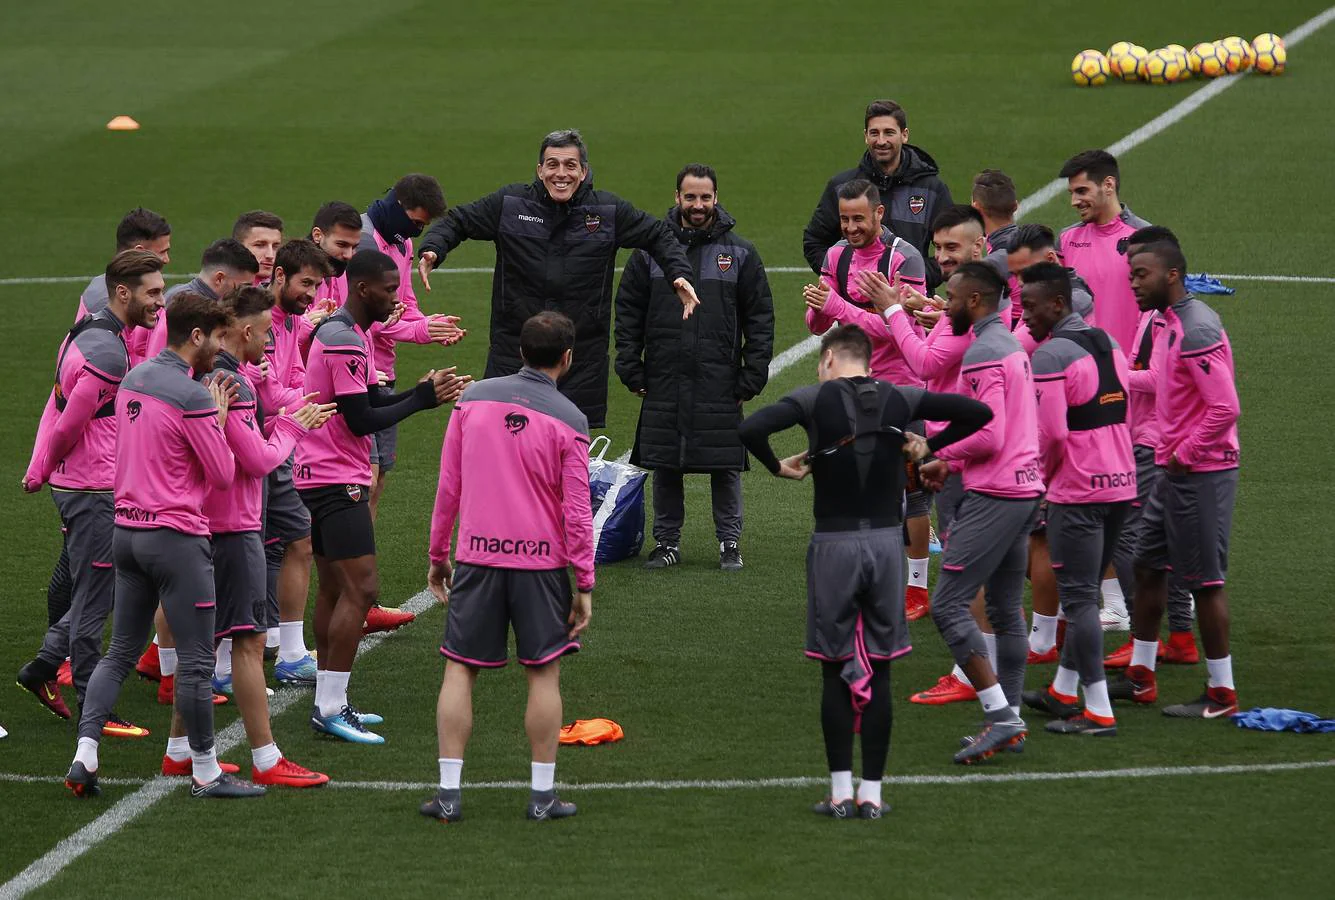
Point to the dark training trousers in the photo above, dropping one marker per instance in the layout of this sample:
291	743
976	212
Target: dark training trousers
152	566
1082	539
670	505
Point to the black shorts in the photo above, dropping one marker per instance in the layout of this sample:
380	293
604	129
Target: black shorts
286	518
239	580
340	520
485	600
855	583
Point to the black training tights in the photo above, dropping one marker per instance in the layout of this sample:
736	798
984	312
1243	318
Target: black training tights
836	719
59	590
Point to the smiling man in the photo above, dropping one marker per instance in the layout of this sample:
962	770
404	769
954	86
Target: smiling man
556	244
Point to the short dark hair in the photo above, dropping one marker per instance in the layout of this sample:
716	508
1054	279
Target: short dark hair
989	284
256	218
1152	234
1035	237
129	268
229	254
848	341
698	170
955	215
368	264
994	192
138	226
878	108
545	338
1054	278
299	254
418	191
188	311
336	212
1095	164
1170	255
246	301
569	137
857	188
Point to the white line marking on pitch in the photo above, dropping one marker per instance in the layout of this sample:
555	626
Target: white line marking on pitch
127	808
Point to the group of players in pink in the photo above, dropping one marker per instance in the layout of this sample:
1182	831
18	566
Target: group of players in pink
1108	442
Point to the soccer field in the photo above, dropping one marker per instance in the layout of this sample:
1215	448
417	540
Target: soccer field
257	105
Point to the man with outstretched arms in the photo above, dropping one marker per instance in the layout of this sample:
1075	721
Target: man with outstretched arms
518	534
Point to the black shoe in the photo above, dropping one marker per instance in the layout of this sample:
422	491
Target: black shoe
1045	702
81	782
445	806
226	787
869	810
663	556
1081	724
544	805
844	809
730	556
270	654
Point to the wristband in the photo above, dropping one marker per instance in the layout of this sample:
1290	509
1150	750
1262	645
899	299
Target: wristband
897	308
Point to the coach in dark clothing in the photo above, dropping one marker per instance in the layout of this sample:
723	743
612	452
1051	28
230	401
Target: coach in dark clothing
907	178
694	374
556	243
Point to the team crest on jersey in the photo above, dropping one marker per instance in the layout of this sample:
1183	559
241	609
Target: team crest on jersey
724	262
515	422
917	203
133	409
250	422
352	367
354	492
592	222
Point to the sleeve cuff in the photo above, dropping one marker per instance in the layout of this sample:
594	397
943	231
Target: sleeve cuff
892	310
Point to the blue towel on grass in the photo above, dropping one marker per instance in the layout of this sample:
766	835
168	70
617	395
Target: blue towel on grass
1206	284
1271	719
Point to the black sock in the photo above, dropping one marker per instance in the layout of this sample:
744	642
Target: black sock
836	718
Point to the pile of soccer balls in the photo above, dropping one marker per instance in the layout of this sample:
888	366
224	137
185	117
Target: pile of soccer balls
1132	62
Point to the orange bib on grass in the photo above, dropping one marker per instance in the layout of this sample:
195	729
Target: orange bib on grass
591	731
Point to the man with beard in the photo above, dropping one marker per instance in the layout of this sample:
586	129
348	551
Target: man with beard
140	229
556	243
905	176
694	375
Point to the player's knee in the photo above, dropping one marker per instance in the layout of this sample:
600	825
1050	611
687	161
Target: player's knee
300	551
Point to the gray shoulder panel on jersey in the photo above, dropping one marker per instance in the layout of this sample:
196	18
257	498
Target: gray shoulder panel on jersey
531	390
166	378
997	259
1056	355
1201	327
1071	227
994	344
1130	218
194	284
103	350
367	240
96	295
339	331
1082	298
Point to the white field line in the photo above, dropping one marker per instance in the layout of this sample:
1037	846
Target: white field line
128	808
742	784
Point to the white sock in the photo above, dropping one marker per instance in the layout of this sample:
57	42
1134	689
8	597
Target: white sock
1043	634
222	665
1066	682
292	641
86	753
178	748
1096	699
841	786
1061	615
1144	653
991	641
1221	672
272	639
917	572
266	757
1113	599
155	642
993	699
320	691
543	776
167	660
206	766
336	692
451	772
869	792
960	676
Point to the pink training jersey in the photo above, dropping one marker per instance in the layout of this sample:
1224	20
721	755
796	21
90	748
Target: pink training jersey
149	342
887	361
1197	400
340	365
75	448
412	325
1001	459
1143	380
283	348
94	298
1098	254
1083	435
241	507
515	472
170	449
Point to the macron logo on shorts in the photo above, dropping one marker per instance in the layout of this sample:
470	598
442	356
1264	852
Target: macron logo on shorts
479	543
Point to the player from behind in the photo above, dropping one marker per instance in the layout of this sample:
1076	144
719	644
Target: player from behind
161	542
995	199
856	428
988	545
1185	528
514	472
333	476
235	521
1085	448
261	233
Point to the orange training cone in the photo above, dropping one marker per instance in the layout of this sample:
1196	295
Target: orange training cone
122	123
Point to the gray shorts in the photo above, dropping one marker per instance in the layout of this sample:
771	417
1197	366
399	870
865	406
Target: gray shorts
239	578
385	444
486	602
286	518
855	580
918	503
1185	527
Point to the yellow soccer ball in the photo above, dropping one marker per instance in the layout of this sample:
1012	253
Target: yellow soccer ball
1271	55
1164	67
1089	68
1119	49
1211	60
1240	54
1125	65
1196	54
1183	61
